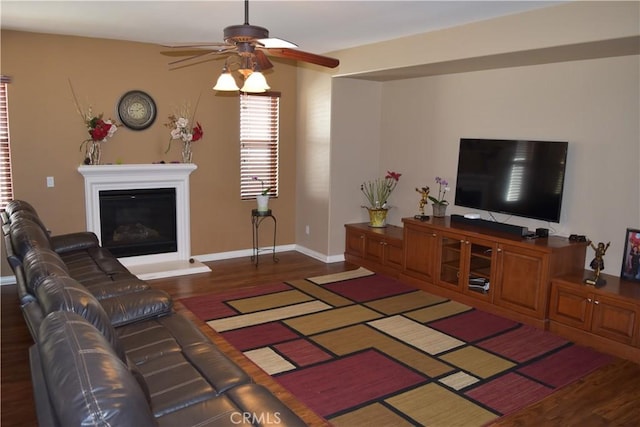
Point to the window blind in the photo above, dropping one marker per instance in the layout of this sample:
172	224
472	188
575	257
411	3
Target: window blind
6	182
259	140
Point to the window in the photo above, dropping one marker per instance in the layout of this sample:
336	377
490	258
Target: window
259	135
6	182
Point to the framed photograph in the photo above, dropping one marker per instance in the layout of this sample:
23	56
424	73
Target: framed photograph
631	256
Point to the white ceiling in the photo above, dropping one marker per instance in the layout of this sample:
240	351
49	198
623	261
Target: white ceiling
317	26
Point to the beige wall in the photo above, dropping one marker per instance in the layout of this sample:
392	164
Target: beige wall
46	131
594	104
348	130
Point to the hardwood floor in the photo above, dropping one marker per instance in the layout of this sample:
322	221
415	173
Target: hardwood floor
607	397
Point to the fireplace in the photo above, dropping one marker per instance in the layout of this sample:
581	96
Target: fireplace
138	221
152	241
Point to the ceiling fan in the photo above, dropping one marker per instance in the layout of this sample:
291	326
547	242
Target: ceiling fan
247	47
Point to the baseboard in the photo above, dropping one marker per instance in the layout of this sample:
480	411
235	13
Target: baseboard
238	254
327	259
7	280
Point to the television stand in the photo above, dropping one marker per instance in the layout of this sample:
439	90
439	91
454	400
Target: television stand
491	225
445	258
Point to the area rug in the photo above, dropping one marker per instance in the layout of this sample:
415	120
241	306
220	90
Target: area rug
363	349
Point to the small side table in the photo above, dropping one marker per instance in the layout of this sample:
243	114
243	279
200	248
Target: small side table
256	219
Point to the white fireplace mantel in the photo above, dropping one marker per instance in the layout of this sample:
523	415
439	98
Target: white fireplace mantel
146	176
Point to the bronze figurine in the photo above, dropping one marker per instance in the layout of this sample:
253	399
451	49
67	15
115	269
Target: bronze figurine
424	192
597	264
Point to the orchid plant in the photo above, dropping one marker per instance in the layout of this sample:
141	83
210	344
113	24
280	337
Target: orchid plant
265	191
378	191
443	188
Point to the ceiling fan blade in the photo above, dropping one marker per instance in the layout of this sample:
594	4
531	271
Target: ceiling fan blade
211	45
262	60
202	60
275	43
199	55
299	55
185	52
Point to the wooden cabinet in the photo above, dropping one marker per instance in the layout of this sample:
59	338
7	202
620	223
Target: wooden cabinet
419	252
466	264
517	272
523	276
379	249
607	318
538	282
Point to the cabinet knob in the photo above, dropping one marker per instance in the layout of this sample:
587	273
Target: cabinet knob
434	235
589	300
362	236
499	249
596	302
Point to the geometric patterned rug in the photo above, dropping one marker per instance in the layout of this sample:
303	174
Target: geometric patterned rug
363	349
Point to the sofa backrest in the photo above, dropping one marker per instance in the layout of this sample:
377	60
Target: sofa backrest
39	263
87	383
62	293
27	234
14	206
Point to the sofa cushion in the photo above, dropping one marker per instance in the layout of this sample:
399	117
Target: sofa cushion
180	365
74	242
61	293
138	306
244	405
87	383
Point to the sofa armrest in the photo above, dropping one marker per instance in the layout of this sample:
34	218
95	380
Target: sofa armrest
128	308
44	410
74	242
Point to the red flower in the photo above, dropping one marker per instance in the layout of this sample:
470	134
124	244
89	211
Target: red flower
197	132
393	175
100	130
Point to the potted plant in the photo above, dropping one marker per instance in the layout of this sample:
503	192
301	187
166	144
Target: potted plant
440	204
263	197
377	193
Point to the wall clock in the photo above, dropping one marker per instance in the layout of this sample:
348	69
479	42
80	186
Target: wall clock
137	110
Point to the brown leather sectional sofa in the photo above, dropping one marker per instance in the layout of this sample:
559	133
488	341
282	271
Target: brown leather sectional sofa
110	351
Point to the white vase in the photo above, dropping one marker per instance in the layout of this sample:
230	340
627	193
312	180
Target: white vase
263	202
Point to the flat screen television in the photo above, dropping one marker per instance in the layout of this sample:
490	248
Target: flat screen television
517	177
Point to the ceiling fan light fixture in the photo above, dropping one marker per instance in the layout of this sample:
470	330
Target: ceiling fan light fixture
255	83
226	82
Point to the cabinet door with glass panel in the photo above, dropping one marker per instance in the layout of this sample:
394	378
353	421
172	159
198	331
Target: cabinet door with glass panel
465	265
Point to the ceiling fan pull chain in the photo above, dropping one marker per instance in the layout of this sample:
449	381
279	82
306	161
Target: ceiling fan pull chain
246	12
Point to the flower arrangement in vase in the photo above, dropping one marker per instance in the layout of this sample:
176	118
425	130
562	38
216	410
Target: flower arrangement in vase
181	130
99	131
377	193
440	203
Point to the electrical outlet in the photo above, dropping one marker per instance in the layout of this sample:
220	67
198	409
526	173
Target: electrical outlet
306	230
50	182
